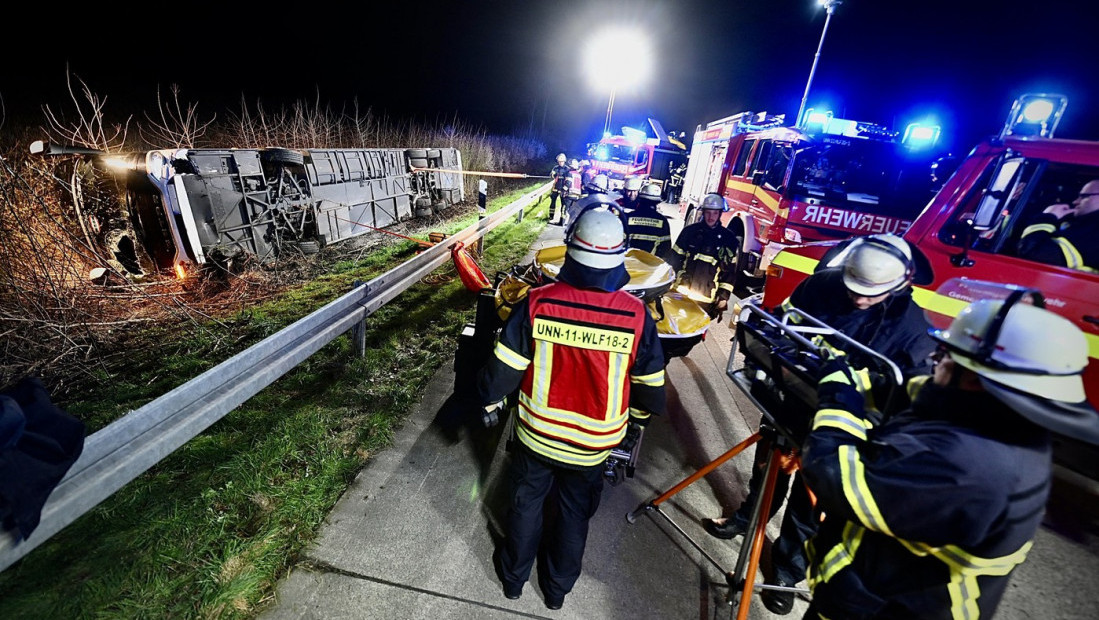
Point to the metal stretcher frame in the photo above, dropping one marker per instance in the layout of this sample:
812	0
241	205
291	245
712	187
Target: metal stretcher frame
775	349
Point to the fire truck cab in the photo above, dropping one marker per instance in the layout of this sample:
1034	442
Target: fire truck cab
634	154
970	232
830	178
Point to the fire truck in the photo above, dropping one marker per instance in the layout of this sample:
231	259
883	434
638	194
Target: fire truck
970	234
634	153
830	178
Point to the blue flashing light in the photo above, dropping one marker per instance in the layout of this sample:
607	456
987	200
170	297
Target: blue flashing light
815	120
1035	115
606	134
601	154
918	135
1037	111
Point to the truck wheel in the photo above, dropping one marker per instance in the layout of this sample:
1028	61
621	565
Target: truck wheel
418	162
434	153
689	218
282	156
416	153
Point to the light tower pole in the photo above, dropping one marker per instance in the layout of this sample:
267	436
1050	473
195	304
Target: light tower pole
829	8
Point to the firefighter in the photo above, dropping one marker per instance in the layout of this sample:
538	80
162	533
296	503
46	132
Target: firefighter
1066	234
704	257
927	514
674	186
560	175
646	227
586	359
863	291
598	185
587	173
630	189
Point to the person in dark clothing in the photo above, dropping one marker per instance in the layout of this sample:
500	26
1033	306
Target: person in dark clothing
631	188
587	360
927	514
865	295
704	257
560	175
39	443
646	227
1066	234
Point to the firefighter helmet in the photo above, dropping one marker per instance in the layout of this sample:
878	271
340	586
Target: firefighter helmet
714	201
877	265
632	184
1028	358
575	165
597	238
598	184
561	159
650	192
1020	345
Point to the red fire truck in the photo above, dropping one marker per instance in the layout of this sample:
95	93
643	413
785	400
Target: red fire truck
970	232
634	153
831	178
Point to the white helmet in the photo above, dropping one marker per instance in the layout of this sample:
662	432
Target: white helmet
714	201
561	158
632	184
1027	348
597	239
574	164
599	183
877	264
649	191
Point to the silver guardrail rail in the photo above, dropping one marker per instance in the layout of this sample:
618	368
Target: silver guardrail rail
129	446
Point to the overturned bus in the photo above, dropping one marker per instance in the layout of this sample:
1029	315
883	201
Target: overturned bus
186	207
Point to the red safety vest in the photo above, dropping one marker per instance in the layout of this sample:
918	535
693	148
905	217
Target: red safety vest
574	397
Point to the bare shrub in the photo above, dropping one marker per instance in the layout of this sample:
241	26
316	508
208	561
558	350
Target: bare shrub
176	124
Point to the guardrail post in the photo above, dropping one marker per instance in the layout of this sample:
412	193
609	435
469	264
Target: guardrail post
358	330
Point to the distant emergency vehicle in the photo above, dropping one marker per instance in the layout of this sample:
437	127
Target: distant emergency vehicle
831	178
970	233
634	154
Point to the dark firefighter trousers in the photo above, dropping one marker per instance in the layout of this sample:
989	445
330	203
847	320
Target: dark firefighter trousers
788	552
574	502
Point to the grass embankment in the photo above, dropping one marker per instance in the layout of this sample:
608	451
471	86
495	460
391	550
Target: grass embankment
209	530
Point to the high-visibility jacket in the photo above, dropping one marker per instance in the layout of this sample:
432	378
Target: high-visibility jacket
705	258
926	515
1071	244
647	229
560	176
585	361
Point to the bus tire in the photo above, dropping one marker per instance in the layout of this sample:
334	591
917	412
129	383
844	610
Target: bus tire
282	156
416	153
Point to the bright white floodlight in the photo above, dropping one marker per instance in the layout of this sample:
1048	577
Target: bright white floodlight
617	59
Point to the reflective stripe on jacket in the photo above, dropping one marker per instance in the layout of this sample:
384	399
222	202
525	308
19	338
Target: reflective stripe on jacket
585	361
926	515
705	258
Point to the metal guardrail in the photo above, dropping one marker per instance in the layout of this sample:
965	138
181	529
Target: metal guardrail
125	449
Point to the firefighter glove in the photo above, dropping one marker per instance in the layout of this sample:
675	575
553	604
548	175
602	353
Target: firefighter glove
490	416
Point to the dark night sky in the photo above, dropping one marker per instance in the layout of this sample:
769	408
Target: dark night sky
510	66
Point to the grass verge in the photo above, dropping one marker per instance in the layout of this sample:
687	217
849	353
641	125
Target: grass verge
210	529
